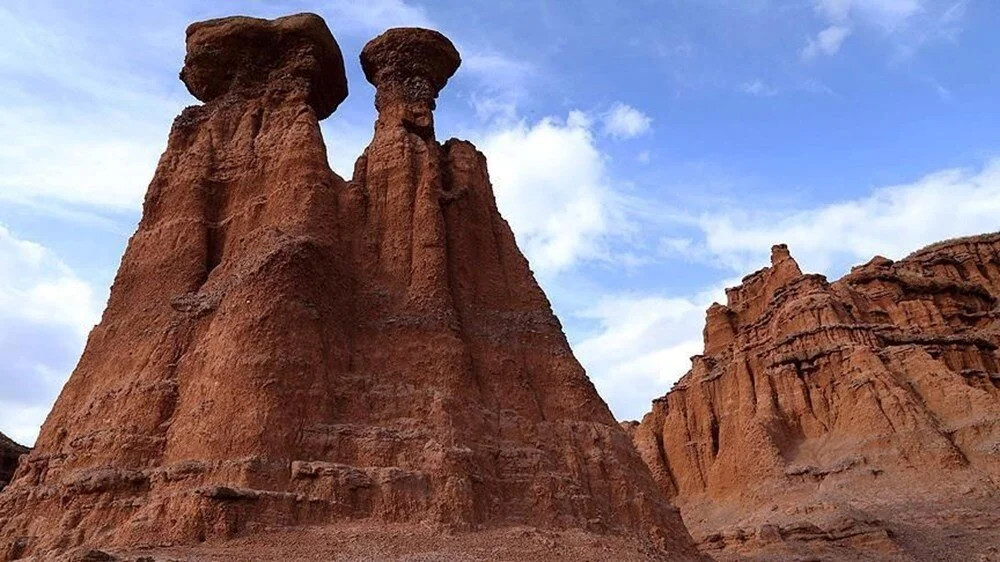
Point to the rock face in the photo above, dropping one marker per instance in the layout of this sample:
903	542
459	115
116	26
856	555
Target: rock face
283	347
851	420
10	453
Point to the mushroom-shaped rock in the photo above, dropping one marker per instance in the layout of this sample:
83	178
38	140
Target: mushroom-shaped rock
408	67
246	57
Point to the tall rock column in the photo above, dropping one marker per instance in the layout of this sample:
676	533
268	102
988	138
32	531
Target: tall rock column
212	355
403	164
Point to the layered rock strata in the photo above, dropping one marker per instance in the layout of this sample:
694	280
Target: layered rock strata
858	419
283	347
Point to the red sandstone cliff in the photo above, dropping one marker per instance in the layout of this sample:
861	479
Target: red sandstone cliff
282	347
10	453
851	420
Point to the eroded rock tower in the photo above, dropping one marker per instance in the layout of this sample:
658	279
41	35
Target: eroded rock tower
284	347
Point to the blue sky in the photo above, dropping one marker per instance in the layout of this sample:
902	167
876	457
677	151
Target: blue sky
647	154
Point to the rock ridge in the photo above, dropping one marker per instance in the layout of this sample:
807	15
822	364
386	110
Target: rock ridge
842	420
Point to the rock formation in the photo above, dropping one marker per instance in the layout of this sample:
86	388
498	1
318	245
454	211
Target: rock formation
851	420
282	347
10	453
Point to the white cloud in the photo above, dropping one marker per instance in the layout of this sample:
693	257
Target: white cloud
46	312
892	221
83	123
955	13
758	88
643	345
74	161
493	108
38	287
21	422
827	42
623	121
552	184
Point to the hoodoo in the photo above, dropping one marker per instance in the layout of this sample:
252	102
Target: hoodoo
855	420
284	348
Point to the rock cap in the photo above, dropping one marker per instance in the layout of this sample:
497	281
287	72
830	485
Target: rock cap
242	55
411	61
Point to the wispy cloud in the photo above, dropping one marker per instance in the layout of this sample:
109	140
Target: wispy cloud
498	83
827	42
906	24
758	88
81	127
65	162
889	14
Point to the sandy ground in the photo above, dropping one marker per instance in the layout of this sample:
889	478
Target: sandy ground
369	542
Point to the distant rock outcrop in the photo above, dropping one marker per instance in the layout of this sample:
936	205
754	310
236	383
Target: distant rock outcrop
10	453
282	347
851	420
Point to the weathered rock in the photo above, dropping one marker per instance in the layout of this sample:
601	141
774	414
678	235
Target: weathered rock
10	454
408	67
282	347
846	420
242	57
